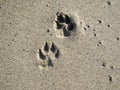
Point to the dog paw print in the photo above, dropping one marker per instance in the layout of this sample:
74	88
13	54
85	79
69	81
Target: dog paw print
47	55
64	25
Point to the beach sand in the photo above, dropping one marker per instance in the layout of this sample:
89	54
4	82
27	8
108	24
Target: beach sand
59	44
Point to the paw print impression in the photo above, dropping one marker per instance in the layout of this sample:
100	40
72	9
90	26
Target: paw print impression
47	55
64	25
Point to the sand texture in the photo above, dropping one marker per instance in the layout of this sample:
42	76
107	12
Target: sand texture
59	44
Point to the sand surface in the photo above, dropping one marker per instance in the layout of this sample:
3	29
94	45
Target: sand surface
59	44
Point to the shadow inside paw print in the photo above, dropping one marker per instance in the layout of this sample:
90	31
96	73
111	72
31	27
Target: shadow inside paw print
65	23
47	55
